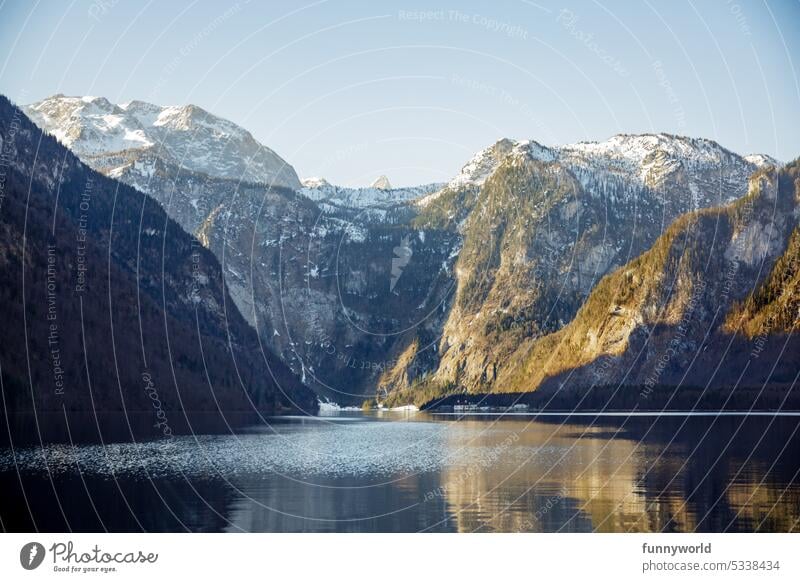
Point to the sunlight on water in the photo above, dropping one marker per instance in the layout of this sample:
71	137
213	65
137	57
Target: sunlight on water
330	449
422	473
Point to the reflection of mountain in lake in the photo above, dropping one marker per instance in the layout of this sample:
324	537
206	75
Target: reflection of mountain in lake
660	475
420	473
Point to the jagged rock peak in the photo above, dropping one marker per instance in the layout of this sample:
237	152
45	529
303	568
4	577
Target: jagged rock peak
187	135
315	182
382	183
763	160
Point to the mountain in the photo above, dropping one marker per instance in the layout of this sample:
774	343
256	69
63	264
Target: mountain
381	183
314	182
381	204
283	252
762	160
540	227
333	278
109	305
711	306
427	289
774	307
128	139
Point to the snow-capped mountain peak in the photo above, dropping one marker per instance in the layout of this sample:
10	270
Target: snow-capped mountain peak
381	183
188	136
485	162
636	148
374	198
650	159
314	182
637	161
762	160
88	125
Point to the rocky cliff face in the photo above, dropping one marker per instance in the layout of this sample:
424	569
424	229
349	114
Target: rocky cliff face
324	273
709	305
337	291
109	305
774	307
411	291
541	226
125	141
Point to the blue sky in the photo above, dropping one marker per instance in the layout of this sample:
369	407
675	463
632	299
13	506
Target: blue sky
350	90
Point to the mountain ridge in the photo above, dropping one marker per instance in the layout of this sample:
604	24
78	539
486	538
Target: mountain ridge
187	135
92	264
713	301
612	315
541	226
508	249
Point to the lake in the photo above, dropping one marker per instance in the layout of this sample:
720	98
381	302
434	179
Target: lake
410	472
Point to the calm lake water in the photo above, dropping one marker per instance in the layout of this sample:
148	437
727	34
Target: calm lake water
405	472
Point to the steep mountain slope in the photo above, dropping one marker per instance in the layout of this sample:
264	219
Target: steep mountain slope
381	183
775	306
541	226
399	290
127	139
313	272
334	289
372	204
674	316
687	172
108	304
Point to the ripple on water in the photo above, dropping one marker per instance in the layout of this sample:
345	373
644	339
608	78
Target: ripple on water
326	449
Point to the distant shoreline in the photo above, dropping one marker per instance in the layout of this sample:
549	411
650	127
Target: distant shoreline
624	413
627	399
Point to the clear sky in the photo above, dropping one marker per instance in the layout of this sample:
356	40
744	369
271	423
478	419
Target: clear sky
349	90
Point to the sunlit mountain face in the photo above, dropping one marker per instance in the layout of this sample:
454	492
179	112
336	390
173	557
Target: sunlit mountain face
505	252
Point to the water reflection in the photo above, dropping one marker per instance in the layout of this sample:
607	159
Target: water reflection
670	474
568	478
420	473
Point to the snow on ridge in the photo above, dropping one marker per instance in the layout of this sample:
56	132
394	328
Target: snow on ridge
763	160
483	164
320	190
636	159
382	183
187	135
638	149
314	182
